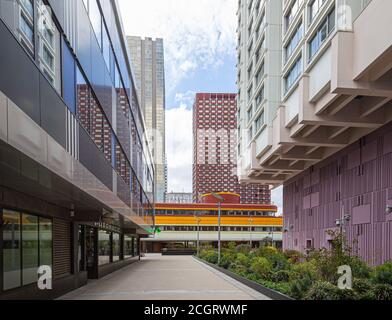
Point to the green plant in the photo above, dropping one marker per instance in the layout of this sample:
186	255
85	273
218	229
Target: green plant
226	260
261	266
243	259
280	276
300	287
293	256
243	248
383	274
322	290
382	292
362	286
210	256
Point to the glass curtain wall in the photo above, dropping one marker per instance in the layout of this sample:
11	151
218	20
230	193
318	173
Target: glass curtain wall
27	244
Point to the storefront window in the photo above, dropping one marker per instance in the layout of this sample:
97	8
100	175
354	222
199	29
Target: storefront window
27	244
128	247
104	245
11	250
30	248
116	247
45	241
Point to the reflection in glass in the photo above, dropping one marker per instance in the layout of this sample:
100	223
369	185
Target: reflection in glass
30	248
11	250
116	247
45	242
128	247
104	246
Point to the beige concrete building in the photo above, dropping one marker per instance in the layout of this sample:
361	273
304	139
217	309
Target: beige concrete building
334	88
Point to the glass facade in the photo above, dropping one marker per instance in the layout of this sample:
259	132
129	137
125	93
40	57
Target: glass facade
27	244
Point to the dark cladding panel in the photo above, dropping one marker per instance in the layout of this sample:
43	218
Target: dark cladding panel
94	160
19	77
53	112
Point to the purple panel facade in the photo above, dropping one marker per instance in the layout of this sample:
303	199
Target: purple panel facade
356	181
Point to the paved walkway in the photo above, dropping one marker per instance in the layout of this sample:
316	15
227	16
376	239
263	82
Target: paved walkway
159	277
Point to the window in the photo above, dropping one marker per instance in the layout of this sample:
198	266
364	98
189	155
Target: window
27	28
69	87
292	13
259	122
49	47
27	244
96	20
326	28
129	246
116	247
250	114
260	97
314	8
28	6
104	247
30	248
293	74
106	48
294	41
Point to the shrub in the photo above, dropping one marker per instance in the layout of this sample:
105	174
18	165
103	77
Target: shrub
382	292
300	287
226	260
293	256
280	276
362	286
359	268
306	269
231	246
322	290
239	269
261	267
266	251
243	259
383	274
243	248
210	256
345	294
283	287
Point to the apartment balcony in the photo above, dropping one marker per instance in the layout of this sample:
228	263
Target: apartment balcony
344	94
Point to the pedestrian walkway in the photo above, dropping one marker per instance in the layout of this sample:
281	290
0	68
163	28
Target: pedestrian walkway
158	277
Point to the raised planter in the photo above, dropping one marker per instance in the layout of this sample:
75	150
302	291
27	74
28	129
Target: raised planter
272	294
178	252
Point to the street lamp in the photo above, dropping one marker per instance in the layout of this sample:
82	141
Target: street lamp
250	220
220	200
198	233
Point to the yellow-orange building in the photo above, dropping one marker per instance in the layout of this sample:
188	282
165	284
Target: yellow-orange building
177	225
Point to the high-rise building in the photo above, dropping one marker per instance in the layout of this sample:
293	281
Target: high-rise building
328	142
147	57
179	197
76	171
214	150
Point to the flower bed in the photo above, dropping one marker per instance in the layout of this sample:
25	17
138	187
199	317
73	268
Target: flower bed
311	277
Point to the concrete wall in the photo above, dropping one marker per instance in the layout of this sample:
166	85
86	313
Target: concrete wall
355	181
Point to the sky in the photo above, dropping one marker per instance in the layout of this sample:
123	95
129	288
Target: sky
200	56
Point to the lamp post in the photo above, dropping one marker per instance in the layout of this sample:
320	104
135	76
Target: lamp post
220	200
250	220
198	234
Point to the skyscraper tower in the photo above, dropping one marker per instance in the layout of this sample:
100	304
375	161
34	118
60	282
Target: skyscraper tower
147	58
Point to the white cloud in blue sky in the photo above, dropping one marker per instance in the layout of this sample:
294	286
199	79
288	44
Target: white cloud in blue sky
200	56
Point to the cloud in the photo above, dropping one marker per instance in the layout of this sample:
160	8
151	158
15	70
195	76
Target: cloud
277	199
179	148
197	34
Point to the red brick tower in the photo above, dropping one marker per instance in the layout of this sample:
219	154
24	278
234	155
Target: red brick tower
214	153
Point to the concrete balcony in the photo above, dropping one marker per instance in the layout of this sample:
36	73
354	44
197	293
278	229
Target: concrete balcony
344	94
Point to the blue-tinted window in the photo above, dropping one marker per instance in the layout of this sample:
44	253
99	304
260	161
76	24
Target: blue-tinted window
69	89
96	20
106	49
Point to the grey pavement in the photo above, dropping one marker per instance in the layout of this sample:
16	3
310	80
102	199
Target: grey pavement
158	277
